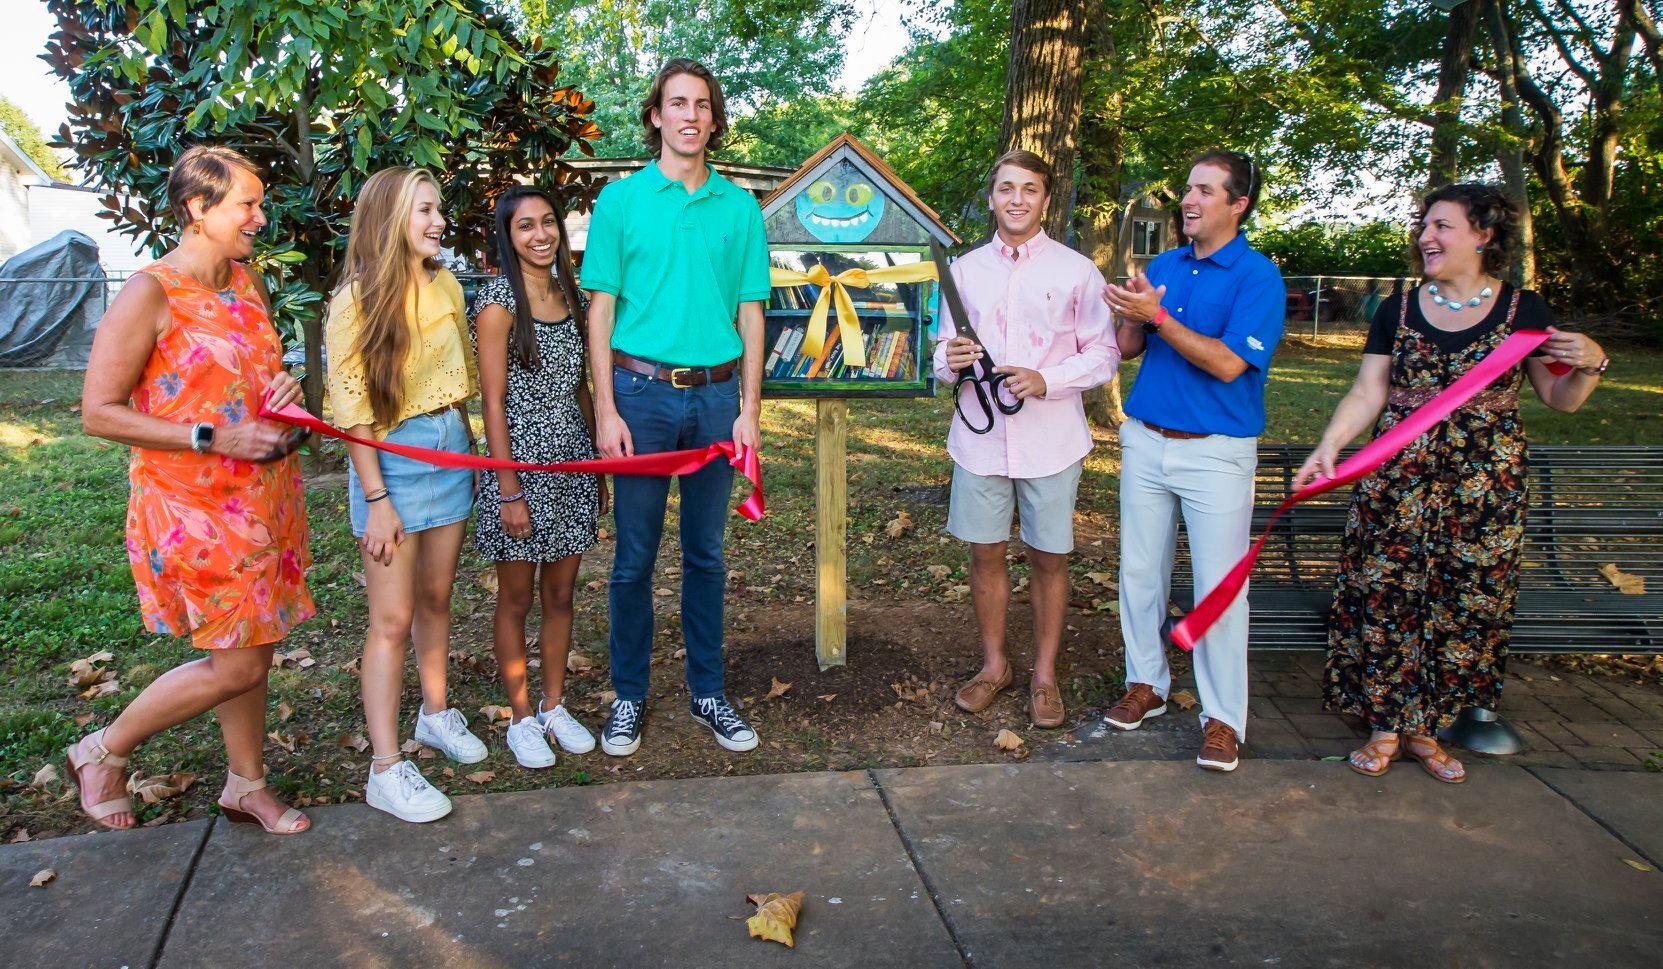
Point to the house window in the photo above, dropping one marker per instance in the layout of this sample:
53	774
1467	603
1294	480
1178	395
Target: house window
1146	237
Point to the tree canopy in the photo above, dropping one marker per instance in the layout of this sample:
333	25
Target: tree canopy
21	129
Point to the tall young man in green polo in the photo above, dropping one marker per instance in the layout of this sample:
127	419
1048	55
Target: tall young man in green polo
677	268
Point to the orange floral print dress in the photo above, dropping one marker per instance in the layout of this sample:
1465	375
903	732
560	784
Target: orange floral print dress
218	546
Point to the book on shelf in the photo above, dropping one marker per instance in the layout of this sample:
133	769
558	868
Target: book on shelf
825	352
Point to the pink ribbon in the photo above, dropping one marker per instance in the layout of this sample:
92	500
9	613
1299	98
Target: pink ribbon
1372	455
662	463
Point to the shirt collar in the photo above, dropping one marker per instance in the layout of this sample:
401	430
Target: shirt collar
1227	255
1025	251
715	184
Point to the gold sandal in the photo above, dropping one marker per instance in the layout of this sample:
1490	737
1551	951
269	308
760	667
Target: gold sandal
237	787
1376	750
100	755
1436	760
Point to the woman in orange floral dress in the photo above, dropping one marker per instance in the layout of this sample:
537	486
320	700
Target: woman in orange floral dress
216	526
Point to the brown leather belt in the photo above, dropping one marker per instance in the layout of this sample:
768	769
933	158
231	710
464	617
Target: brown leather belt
1171	434
678	377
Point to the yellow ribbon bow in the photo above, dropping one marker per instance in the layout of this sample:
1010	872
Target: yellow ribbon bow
833	287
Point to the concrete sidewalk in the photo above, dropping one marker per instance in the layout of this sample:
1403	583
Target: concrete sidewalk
1123	864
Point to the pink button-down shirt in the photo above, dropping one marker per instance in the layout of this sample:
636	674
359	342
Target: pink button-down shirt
1038	306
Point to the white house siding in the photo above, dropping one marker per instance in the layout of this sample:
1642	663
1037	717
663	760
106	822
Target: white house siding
54	208
14	211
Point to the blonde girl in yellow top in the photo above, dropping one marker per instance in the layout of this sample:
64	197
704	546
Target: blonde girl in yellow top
400	369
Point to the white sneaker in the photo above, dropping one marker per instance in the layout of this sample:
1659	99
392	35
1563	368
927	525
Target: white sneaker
573	737
529	743
448	732
403	792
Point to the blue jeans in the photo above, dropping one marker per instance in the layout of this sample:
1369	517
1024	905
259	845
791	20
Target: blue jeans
663	418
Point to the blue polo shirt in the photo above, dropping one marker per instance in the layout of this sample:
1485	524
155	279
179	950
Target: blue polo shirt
679	263
1235	295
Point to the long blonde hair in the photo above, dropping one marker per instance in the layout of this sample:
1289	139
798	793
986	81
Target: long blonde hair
382	284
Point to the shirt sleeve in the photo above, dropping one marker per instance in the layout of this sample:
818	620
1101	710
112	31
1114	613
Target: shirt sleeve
1096	354
1256	317
459	300
602	252
945	328
754	284
1383	328
348	396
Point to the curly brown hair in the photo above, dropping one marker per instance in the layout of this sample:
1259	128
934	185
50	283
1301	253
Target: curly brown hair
655	96
1488	207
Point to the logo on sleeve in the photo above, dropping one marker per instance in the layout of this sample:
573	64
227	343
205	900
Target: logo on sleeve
1253	342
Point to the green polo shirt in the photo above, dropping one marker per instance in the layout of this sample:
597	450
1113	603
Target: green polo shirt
680	264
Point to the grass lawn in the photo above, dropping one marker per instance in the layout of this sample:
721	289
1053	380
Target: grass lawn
66	593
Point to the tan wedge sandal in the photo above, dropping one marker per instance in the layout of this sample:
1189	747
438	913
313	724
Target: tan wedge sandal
237	787
100	755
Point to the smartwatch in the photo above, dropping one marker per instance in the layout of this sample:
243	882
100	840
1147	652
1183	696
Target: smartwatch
1599	369
202	437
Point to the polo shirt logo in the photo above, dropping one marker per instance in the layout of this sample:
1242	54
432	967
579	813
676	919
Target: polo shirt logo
1253	342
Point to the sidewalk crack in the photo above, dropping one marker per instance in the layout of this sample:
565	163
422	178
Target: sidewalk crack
179	896
1613	832
918	866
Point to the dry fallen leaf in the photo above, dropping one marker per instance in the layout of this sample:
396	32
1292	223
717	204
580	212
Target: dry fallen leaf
282	740
576	662
1627	584
899	525
679	654
82	719
20	837
936	727
662	592
355	741
488	580
48	774
595	585
777	690
493	713
1185	700
284	712
47	874
159	788
106	688
86	672
828	697
1636	865
358	577
939	572
776	916
606	698
1007	740
481	777
448	772
411	746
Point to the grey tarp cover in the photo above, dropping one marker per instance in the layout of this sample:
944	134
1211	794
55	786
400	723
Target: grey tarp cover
50	324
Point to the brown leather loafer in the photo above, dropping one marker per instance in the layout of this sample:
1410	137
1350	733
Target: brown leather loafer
1045	704
1139	704
1218	747
979	693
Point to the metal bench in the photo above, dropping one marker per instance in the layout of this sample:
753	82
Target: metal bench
1590	508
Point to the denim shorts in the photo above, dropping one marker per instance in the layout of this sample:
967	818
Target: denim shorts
425	496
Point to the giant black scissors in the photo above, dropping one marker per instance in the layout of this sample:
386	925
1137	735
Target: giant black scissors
979	376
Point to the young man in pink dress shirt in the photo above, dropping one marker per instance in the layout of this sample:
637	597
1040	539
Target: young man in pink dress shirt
1036	306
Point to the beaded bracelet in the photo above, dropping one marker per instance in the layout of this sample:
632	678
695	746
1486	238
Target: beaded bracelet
510	499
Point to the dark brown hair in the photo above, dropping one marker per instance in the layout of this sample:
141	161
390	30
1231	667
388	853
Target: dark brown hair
522	339
718	105
1243	176
1488	207
204	172
1023	159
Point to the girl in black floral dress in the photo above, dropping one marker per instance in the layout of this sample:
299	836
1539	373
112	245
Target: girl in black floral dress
1423	606
535	525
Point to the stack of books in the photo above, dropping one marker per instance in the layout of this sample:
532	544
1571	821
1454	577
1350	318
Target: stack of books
889	355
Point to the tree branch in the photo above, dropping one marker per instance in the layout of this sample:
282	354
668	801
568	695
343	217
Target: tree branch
1565	53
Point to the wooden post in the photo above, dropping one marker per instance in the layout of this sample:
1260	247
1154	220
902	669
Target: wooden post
831	534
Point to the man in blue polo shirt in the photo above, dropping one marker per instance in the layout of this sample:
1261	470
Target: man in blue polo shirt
1206	317
677	268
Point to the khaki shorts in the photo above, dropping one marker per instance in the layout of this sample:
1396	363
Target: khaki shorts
979	508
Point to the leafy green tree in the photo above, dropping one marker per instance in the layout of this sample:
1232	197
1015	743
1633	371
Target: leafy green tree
320	93
21	129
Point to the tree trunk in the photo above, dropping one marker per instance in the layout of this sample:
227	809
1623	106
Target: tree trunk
1097	215
1510	148
1453	74
1042	93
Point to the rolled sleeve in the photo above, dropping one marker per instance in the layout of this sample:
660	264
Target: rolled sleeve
754	285
348	395
1096	353
602	251
1256	318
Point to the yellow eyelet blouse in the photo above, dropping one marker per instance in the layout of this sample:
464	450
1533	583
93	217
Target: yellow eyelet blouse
439	369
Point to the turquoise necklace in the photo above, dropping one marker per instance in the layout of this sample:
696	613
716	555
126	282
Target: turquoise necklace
1455	305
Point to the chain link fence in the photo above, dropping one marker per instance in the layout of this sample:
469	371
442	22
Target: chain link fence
1338	304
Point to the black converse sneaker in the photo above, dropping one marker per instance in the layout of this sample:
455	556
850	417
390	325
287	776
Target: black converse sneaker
622	734
731	732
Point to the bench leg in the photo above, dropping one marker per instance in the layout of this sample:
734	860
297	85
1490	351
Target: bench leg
1483	731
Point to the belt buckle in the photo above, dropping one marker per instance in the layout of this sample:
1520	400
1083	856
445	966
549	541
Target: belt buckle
676	376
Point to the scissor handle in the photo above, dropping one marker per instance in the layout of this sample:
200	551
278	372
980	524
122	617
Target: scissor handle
993	382
968	376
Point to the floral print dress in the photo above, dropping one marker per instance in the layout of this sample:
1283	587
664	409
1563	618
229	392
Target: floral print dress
1429	567
218	546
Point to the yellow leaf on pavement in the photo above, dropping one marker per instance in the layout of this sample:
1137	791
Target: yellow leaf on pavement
776	916
1637	866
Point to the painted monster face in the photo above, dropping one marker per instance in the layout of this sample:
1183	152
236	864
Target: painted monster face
842	206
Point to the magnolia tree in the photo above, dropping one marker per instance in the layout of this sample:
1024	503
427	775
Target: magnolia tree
320	93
